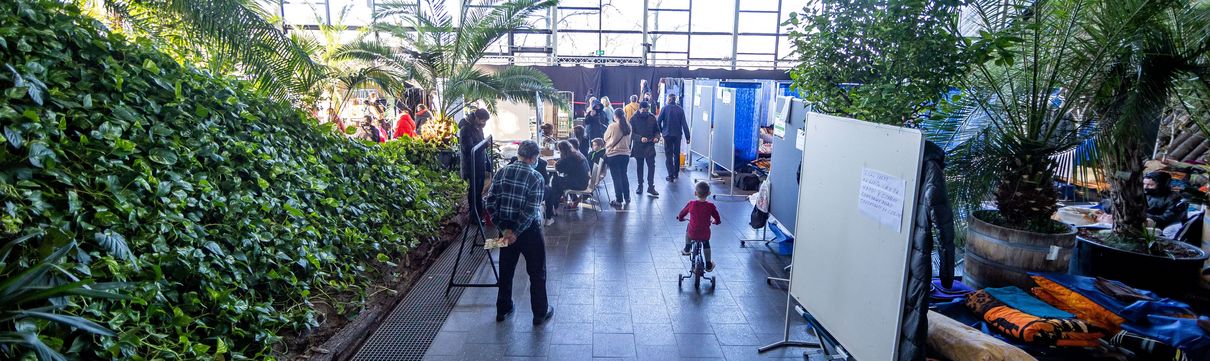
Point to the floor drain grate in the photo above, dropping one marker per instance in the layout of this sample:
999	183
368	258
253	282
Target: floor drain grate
407	333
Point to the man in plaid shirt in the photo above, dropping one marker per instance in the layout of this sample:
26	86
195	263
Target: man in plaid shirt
515	202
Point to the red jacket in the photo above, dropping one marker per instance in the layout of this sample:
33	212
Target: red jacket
700	215
405	126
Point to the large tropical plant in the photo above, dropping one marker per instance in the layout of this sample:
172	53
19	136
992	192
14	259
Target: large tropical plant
1162	58
1033	64
33	299
441	54
880	61
341	73
224	36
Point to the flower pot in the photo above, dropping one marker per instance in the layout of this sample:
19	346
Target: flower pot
1163	275
998	256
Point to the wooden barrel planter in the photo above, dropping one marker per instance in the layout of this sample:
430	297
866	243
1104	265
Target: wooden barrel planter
998	256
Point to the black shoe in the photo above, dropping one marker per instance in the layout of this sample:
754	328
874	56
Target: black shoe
500	317
669	178
616	204
639	189
550	312
652	192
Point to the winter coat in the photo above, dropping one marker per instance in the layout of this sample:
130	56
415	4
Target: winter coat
645	126
1166	210
672	121
932	211
596	123
470	135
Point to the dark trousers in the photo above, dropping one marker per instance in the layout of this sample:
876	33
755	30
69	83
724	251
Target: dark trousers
475	194
531	245
617	171
650	162
555	193
672	155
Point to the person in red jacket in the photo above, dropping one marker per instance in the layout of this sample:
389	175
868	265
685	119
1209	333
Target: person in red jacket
405	125
701	214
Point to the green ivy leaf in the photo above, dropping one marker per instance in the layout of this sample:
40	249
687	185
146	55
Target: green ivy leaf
162	156
38	153
13	137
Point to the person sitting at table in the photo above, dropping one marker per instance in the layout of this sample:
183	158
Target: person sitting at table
548	134
596	152
1165	208
572	173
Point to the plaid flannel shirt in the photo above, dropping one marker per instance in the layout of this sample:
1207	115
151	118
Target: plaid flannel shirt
515	197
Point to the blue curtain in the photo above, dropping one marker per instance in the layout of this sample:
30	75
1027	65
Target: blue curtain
746	116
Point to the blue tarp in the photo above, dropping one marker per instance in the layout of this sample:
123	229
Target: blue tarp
1155	319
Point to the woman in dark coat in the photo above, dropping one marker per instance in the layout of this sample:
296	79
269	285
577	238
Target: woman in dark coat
572	169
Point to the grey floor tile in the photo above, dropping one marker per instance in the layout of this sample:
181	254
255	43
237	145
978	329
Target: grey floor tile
698	345
613	345
570	352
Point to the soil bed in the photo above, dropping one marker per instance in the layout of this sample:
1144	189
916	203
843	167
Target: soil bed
341	331
1160	247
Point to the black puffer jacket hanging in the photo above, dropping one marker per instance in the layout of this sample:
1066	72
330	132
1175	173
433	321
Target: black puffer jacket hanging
932	211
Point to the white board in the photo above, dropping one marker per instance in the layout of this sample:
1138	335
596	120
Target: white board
850	261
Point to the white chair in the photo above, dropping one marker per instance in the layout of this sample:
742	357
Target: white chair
594	179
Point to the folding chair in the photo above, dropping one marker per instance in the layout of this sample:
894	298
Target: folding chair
594	179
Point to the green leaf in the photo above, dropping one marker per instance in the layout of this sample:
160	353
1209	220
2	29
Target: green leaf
162	156
73	202
114	243
13	137
38	153
70	321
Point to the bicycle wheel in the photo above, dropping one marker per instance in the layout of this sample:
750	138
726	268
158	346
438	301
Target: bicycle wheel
697	280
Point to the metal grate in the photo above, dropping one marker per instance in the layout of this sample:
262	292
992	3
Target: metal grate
408	331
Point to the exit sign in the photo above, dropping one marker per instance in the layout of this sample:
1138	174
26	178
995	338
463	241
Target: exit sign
600	52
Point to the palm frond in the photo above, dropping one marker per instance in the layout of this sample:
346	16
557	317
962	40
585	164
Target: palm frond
228	31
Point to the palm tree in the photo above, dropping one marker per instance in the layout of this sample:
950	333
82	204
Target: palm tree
1160	66
1034	62
341	73
225	36
440	56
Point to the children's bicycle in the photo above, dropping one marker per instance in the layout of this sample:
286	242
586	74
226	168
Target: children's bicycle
697	270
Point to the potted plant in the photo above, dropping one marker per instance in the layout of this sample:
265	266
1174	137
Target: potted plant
1155	67
1031	60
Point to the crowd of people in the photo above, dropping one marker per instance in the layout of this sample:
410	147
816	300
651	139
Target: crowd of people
370	120
608	140
522	197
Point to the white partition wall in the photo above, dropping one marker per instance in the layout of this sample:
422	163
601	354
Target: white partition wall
722	140
703	106
855	209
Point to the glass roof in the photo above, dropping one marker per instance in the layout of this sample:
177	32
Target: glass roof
695	33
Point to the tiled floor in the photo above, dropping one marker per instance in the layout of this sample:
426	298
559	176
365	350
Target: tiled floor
612	278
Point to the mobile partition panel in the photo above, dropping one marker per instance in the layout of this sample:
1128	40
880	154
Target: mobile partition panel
722	138
703	106
856	212
789	118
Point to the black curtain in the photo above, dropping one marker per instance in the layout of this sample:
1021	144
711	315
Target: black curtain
620	82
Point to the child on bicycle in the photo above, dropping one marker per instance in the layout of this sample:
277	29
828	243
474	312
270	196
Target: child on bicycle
701	212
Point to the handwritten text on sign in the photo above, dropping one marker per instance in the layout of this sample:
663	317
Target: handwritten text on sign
881	198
